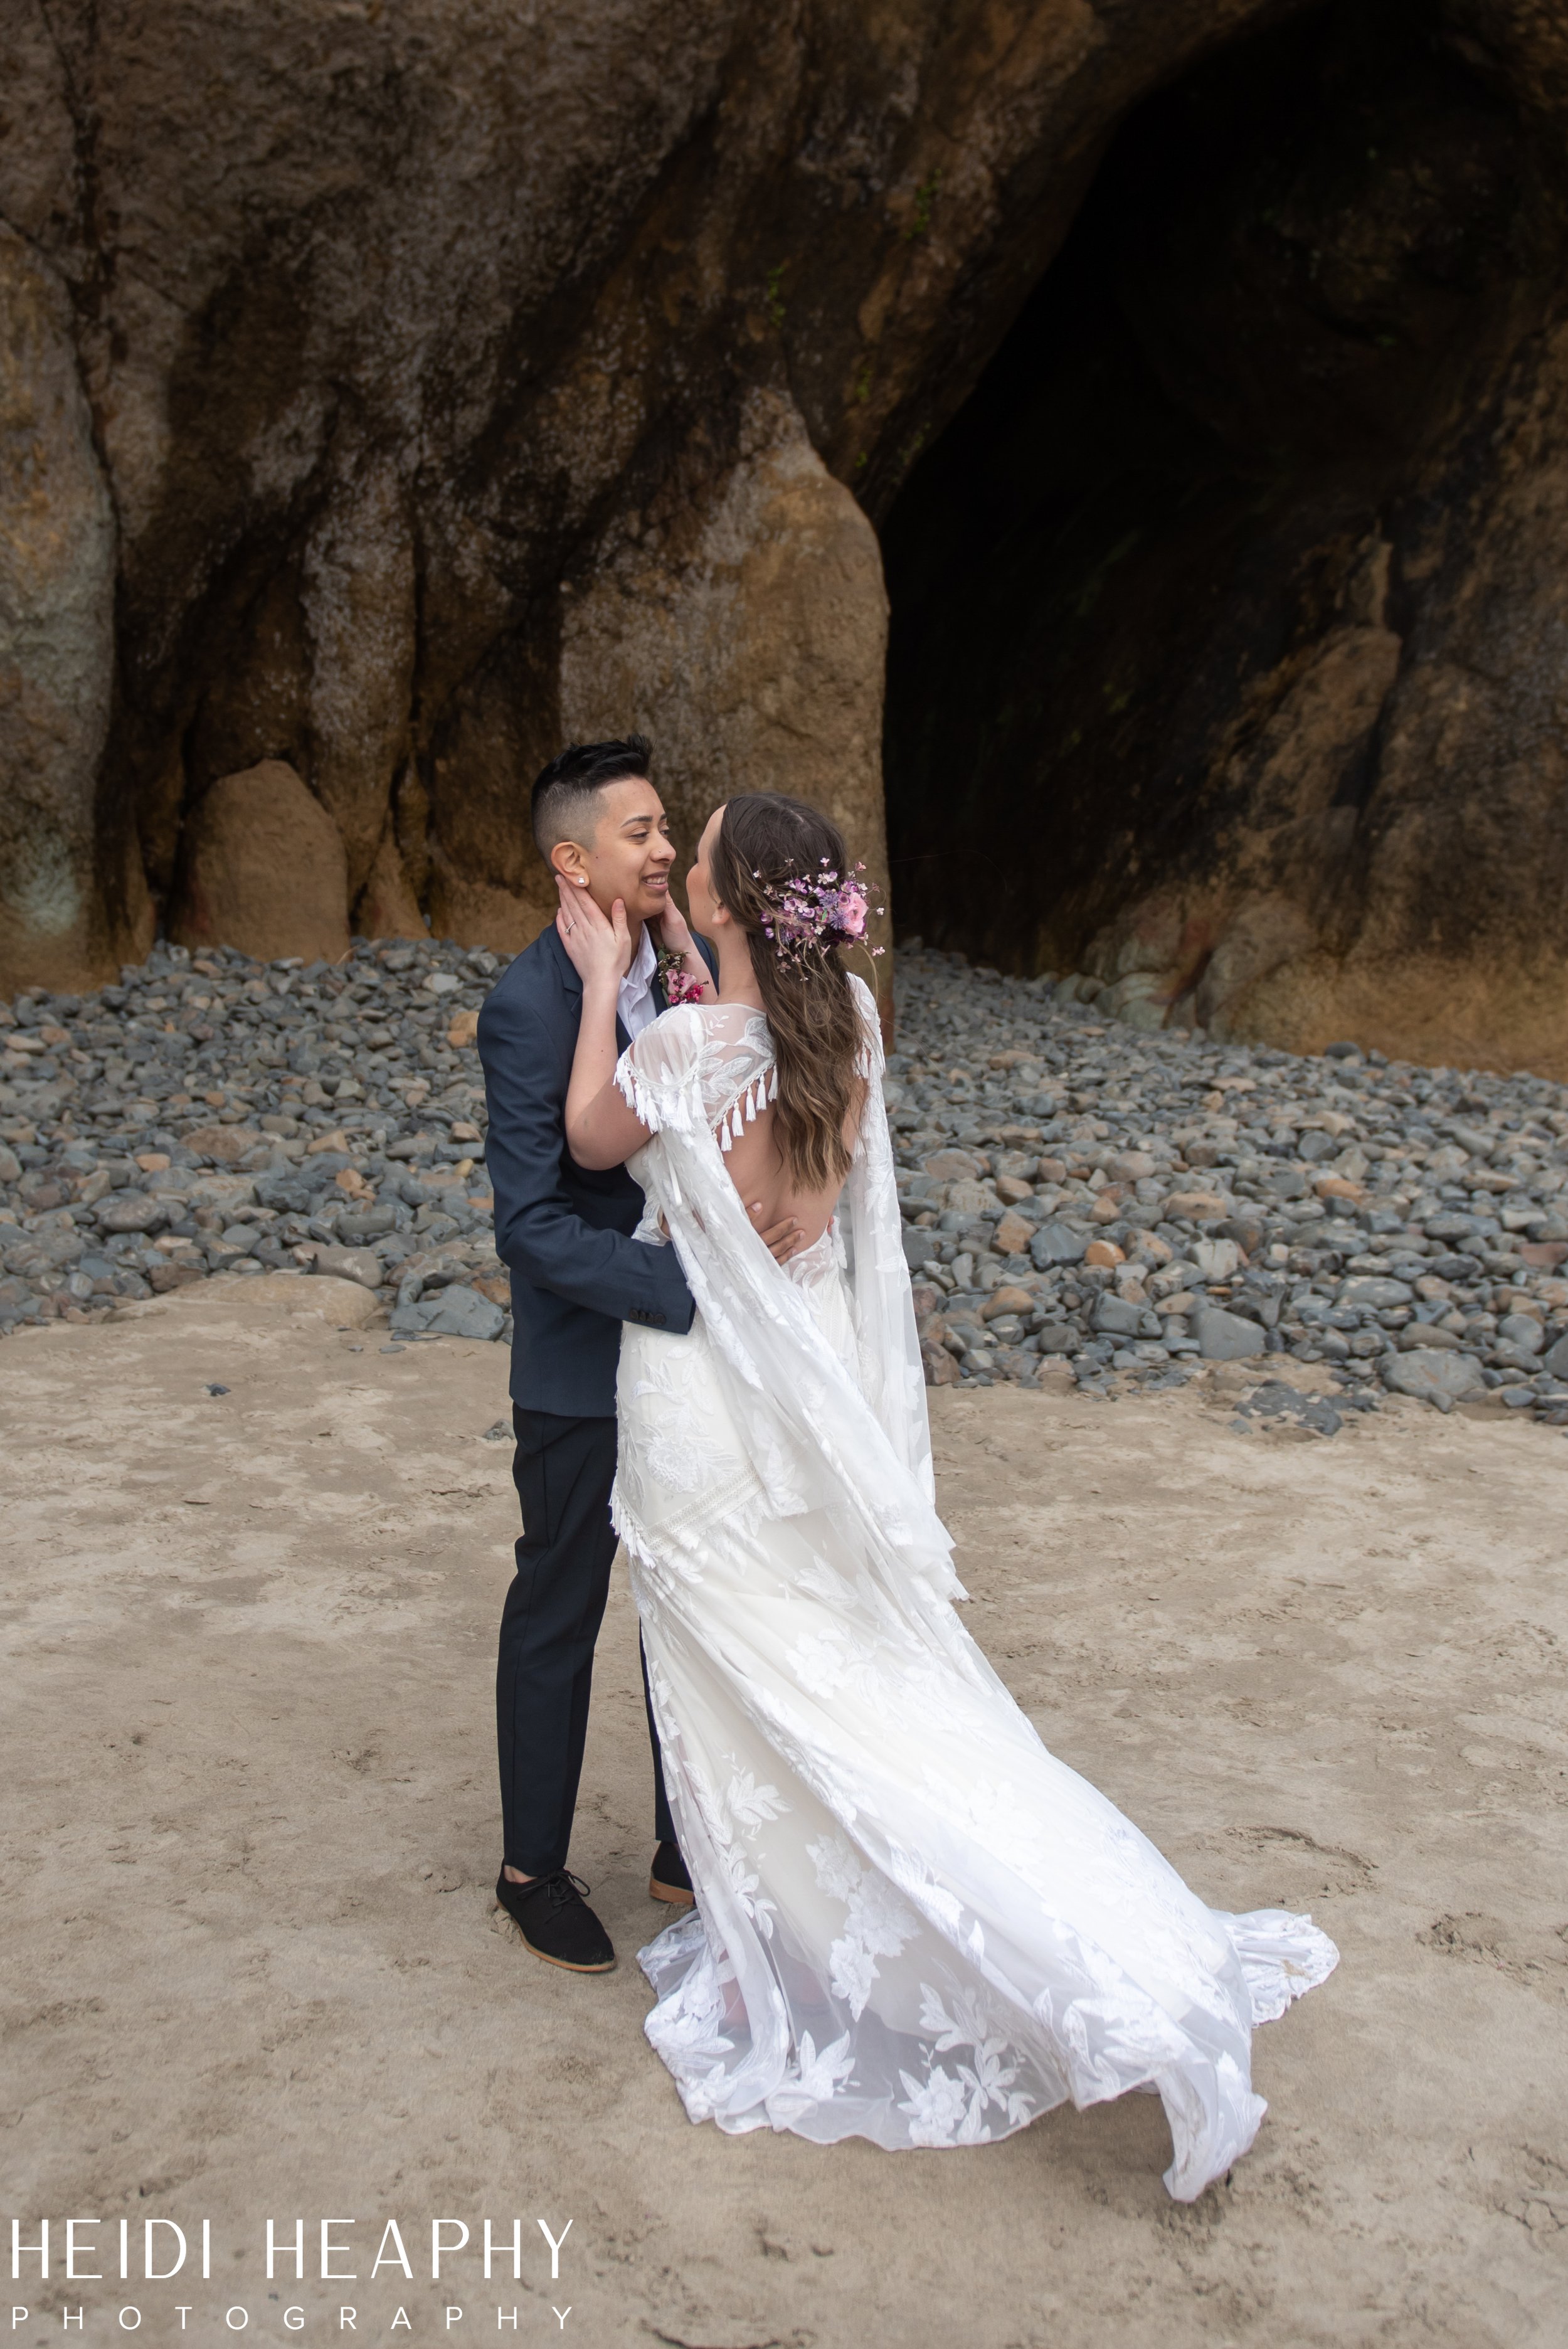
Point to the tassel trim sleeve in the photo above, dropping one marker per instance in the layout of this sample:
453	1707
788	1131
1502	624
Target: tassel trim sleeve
659	1075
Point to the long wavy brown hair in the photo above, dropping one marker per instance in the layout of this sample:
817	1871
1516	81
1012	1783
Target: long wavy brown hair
765	842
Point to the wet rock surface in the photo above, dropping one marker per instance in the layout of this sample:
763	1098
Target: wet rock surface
1237	632
1080	1198
372	420
1084	1197
489	415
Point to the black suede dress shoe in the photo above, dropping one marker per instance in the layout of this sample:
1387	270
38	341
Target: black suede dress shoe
556	1922
669	1880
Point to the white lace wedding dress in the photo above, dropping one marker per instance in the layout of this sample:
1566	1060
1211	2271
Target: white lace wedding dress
913	1923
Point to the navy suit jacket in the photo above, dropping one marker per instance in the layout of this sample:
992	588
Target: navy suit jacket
562	1232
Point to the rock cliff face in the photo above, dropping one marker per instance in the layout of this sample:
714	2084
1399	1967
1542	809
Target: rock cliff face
391	389
1234	600
56	626
387	393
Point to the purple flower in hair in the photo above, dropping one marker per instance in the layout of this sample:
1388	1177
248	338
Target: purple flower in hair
815	911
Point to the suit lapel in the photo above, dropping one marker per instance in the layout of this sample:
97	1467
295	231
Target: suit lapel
550	937
572	986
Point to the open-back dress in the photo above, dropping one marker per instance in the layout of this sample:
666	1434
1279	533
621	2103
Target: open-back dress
912	1922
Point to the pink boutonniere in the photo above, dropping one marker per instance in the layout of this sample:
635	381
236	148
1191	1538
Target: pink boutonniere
678	985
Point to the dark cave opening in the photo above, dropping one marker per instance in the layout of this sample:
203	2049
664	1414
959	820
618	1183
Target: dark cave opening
1271	309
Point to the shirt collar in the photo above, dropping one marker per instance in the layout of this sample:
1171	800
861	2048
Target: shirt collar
645	962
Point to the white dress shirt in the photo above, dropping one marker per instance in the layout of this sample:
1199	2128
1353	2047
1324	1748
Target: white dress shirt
634	996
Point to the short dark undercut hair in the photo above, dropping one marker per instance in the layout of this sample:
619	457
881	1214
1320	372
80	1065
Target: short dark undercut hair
562	793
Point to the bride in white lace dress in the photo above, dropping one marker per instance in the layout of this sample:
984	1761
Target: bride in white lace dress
913	1924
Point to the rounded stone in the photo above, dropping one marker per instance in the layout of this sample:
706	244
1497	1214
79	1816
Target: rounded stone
1375	1290
131	1211
1226	1337
263	870
1434	1374
1523	1331
1057	1243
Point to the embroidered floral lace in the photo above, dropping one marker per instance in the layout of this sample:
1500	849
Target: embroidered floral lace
913	1923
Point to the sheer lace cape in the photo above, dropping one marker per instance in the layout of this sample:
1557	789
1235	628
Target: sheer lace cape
915	1923
817	1435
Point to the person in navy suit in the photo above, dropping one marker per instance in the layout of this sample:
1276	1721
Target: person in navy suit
565	1234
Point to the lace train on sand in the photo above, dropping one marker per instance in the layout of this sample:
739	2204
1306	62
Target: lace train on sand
914	1924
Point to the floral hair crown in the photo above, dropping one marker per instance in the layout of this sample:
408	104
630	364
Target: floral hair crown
811	911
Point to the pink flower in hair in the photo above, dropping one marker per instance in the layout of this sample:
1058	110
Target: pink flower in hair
852	910
817	910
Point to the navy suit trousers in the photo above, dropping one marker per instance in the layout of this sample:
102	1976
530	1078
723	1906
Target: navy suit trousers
563	1469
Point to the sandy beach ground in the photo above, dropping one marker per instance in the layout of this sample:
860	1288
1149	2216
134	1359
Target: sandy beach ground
254	1969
